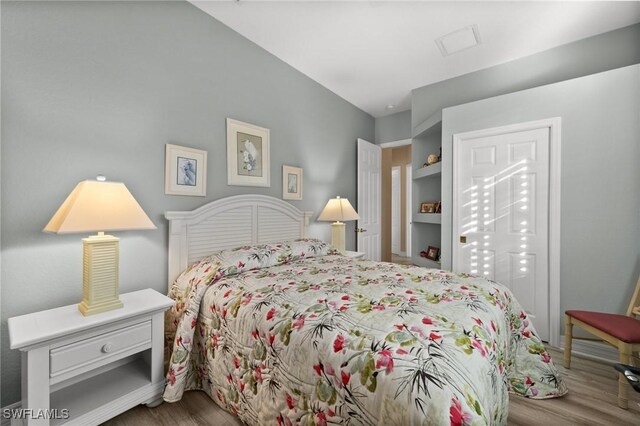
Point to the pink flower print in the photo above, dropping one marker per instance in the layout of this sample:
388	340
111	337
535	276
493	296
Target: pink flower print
478	345
291	403
434	336
322	419
338	344
318	368
545	357
345	378
345	297
298	323
401	351
172	376
271	313
427	321
419	331
385	361
456	415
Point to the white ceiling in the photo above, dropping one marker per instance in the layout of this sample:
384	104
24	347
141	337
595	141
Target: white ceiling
373	53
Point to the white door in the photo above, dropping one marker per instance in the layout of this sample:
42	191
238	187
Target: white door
501	215
369	199
396	225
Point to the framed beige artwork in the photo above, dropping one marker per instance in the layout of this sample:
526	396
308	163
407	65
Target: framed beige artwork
248	162
291	183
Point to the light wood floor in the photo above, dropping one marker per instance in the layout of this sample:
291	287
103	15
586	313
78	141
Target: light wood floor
592	400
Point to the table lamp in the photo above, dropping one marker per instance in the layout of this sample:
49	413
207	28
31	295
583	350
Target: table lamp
340	210
99	206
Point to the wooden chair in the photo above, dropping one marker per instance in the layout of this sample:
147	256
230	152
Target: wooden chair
622	331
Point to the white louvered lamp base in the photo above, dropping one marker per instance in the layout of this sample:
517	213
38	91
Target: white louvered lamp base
100	269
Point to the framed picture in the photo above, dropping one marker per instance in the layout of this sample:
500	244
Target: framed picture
438	208
185	171
291	183
427	207
433	252
248	162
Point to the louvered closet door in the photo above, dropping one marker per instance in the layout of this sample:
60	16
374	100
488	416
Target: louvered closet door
501	223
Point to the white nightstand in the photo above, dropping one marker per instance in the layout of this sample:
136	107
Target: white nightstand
354	254
97	366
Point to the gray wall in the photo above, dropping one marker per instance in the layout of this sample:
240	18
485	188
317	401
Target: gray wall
393	127
600	177
101	87
603	52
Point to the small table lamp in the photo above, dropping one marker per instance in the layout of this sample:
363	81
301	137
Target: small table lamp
340	210
99	206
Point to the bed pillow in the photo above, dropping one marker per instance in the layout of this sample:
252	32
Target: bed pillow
310	247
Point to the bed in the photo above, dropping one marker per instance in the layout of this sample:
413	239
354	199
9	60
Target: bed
280	329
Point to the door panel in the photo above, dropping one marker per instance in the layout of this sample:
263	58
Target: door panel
369	199
501	205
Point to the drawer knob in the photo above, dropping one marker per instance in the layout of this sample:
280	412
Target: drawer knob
107	348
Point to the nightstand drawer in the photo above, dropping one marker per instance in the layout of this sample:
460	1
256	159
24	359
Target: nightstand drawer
105	347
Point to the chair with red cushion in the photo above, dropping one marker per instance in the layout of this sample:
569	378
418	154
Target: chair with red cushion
622	331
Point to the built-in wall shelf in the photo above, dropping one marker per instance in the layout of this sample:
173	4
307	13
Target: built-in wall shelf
427	186
427	218
426	263
432	170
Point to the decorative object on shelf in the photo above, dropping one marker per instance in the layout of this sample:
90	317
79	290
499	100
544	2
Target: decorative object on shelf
99	206
340	210
248	161
431	159
433	253
438	207
427	207
291	183
185	171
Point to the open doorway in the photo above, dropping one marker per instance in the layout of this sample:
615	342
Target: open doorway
396	196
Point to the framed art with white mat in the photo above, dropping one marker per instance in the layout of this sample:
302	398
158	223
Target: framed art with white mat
248	161
291	183
185	171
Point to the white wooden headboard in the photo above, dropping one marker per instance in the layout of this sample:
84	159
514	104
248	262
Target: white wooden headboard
231	222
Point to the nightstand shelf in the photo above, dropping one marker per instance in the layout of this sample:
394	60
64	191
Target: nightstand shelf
93	367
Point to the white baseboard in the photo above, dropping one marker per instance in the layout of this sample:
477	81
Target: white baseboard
14	406
598	351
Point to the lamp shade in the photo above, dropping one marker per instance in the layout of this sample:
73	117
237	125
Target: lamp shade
99	206
338	209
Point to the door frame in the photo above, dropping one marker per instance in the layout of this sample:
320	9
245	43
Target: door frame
396	204
554	126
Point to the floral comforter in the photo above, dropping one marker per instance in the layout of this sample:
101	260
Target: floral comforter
294	333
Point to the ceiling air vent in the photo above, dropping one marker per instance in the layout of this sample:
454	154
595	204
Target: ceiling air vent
459	40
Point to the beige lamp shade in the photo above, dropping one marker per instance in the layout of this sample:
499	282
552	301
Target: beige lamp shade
99	206
338	210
